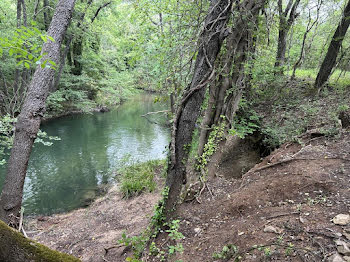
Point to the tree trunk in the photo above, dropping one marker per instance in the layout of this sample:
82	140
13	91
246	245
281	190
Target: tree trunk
30	117
16	248
77	51
46	14
57	78
285	24
333	49
207	119
188	111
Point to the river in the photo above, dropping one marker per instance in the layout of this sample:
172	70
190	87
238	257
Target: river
91	148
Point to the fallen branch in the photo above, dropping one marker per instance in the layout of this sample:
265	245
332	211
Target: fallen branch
157	112
284	214
112	247
298	159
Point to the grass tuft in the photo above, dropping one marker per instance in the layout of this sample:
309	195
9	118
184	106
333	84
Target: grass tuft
139	177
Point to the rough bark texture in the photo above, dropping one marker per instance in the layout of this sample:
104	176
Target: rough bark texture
333	49
30	117
16	248
188	111
286	19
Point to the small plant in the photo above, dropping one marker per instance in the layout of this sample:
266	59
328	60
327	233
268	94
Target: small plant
267	251
289	249
137	244
158	219
210	147
227	252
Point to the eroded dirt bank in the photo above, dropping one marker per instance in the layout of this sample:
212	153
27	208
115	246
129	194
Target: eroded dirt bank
281	210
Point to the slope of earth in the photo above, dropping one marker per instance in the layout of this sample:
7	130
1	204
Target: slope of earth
281	210
89	233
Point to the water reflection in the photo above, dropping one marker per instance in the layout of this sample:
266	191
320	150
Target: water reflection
91	145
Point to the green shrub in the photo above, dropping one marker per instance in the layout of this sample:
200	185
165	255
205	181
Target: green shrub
139	177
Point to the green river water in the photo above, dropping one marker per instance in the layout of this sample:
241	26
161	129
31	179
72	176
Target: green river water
92	146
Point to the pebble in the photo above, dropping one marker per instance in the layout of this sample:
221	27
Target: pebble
341	219
347	235
343	247
336	258
197	230
272	229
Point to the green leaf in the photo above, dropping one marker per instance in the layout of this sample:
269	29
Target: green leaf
44	38
27	65
51	38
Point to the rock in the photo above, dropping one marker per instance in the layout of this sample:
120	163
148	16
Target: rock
343	247
272	229
104	109
336	258
347	235
197	230
88	198
346	258
341	219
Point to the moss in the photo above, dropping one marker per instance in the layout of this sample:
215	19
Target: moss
15	247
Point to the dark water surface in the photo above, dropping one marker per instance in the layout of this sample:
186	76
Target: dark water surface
92	146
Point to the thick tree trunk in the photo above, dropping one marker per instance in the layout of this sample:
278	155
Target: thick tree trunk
30	117
333	49
16	248
188	111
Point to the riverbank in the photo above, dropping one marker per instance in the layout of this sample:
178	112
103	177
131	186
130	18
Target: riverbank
100	109
87	232
283	209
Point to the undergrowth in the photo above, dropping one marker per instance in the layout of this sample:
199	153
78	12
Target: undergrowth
139	177
157	225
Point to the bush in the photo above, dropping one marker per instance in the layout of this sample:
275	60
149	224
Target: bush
139	177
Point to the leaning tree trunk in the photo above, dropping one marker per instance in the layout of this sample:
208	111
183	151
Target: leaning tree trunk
332	53
189	109
16	248
30	117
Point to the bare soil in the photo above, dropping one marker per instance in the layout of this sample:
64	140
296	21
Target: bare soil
87	233
297	190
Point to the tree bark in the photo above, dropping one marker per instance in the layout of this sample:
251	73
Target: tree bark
30	117
16	248
188	111
285	23
333	49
